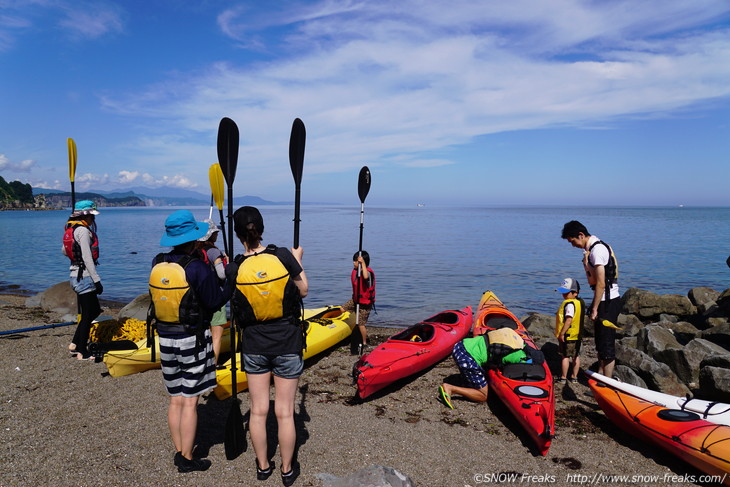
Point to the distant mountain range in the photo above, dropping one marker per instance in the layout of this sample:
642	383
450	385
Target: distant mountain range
143	196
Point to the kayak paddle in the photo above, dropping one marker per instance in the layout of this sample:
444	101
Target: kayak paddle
296	161
72	169
235	436
23	330
363	188
215	174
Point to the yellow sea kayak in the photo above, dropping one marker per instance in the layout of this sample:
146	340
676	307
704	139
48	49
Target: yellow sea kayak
126	362
327	327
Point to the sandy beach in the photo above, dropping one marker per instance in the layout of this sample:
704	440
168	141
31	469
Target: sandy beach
65	422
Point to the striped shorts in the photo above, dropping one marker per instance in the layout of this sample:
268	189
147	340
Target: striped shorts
469	368
187	371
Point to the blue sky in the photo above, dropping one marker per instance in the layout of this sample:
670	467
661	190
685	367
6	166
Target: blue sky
462	103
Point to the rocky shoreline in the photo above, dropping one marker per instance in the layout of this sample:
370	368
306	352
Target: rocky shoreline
67	423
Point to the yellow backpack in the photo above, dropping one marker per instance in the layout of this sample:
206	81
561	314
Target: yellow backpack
261	285
172	299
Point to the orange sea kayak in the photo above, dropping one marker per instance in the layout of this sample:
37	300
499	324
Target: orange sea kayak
703	444
526	389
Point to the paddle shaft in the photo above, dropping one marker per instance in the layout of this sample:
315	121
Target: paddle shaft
34	328
359	266
223	233
297	196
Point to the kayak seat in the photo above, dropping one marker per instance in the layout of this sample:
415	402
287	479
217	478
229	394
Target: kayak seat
500	322
447	317
416	333
524	372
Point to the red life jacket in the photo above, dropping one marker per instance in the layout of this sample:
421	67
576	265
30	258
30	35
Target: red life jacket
72	247
366	289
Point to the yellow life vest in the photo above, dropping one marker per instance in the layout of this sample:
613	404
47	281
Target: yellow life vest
576	327
261	287
501	342
173	300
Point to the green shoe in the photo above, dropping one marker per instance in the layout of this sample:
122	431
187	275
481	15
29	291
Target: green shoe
444	398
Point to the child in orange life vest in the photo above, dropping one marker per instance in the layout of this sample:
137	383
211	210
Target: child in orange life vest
569	328
363	292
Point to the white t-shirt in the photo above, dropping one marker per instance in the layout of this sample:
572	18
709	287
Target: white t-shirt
601	256
569	311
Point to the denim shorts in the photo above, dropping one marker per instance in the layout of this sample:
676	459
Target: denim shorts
85	285
287	366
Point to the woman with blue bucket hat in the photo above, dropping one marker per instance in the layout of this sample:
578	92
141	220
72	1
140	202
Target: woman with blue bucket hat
185	292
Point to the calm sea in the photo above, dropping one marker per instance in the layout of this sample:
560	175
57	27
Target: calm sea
426	259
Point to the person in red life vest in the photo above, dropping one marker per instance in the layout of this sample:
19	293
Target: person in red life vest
218	261
363	292
81	246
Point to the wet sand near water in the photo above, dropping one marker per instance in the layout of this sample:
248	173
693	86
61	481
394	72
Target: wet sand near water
65	422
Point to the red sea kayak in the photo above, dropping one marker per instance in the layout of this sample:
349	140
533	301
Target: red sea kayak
703	444
526	389
410	351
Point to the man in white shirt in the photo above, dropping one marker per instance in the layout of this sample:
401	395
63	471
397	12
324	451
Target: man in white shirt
601	269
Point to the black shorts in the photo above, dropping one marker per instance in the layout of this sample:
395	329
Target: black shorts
606	336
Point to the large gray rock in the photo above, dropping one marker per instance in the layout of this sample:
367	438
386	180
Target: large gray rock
702	295
658	376
630	325
715	383
719	334
33	301
629	342
627	375
712	322
646	304
59	298
722	361
685	362
684	331
137	309
654	338
372	476
540	325
723	302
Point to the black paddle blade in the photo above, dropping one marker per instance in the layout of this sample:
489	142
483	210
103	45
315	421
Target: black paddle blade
355	342
235	438
228	149
363	183
296	149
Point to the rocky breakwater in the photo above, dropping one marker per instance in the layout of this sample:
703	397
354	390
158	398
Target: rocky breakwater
672	343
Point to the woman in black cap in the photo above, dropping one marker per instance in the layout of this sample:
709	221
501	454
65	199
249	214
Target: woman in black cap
270	283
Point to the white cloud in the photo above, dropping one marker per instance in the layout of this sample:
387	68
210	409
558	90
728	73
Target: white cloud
385	82
88	180
176	181
24	166
126	177
92	20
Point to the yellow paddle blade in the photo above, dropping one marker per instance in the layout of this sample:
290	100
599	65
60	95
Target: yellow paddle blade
610	325
71	159
215	173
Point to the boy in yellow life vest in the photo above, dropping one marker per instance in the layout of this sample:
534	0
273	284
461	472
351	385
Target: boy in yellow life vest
569	321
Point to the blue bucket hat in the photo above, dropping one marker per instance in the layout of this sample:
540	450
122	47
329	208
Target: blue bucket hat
181	227
84	207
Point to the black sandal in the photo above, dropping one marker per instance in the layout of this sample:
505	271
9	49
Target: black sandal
264	474
288	478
